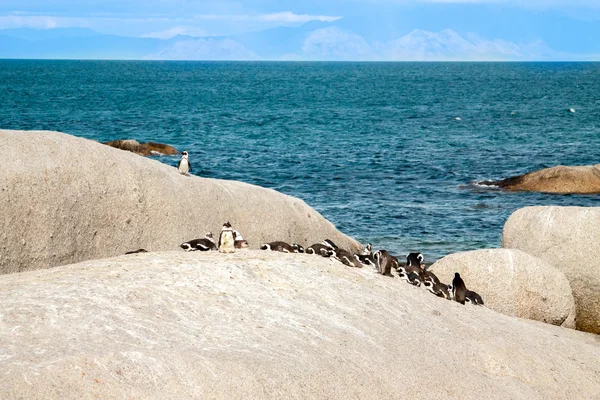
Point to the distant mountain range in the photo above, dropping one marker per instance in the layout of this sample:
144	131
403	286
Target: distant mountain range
311	41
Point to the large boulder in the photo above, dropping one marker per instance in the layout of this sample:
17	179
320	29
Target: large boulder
143	149
263	325
559	179
65	199
513	283
569	239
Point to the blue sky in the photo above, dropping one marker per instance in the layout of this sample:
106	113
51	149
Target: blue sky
360	29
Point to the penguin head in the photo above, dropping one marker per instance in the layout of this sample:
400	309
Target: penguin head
377	255
208	235
368	250
298	248
227	225
329	243
184	153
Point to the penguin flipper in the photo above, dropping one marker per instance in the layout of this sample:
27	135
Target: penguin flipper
190	165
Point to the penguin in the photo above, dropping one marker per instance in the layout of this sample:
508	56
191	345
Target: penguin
239	241
367	251
137	251
414	259
184	165
346	258
283	247
429	275
205	244
226	239
384	262
319	249
459	290
366	256
329	243
474	298
439	289
410	277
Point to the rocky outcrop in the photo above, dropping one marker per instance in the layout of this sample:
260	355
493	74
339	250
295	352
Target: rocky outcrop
143	149
569	239
560	179
513	283
256	325
66	199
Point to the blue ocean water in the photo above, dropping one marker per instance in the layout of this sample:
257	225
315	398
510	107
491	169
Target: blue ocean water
375	147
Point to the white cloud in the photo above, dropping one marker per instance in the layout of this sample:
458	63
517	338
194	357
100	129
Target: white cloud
281	17
204	49
20	21
288	16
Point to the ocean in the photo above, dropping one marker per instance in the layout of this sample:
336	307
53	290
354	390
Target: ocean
388	152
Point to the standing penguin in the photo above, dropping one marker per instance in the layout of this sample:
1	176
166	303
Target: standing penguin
184	165
384	261
226	239
459	289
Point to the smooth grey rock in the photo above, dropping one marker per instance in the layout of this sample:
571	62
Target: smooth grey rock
513	283
560	179
569	239
66	199
256	325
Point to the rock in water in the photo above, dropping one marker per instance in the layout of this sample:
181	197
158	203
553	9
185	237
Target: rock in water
264	325
567	238
560	179
513	283
66	199
143	149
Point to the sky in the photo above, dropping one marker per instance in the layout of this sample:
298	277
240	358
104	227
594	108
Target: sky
350	29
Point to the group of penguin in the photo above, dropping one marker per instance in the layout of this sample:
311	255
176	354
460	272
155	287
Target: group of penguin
229	240
414	271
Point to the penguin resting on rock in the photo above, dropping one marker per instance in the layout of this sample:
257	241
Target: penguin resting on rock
205	244
283	247
318	249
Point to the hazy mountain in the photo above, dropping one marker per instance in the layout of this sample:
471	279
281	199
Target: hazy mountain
311	41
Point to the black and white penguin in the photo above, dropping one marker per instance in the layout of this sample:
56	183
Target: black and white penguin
429	275
410	277
459	289
414	259
283	247
439	289
226	239
474	298
184	165
384	262
239	241
346	258
329	243
319	249
366	256
205	244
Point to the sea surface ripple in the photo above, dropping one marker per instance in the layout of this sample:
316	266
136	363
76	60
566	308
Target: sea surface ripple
389	152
